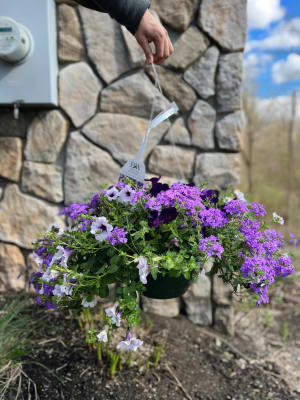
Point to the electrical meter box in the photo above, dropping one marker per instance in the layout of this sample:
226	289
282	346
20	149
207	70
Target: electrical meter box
28	53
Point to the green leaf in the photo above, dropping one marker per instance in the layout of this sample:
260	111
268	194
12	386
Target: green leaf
103	291
154	272
113	268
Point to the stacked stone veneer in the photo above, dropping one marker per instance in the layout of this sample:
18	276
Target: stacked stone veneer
52	158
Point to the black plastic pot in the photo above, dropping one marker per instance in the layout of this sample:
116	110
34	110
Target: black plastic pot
165	287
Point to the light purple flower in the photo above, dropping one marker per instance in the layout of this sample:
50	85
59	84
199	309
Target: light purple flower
102	336
57	291
61	256
112	193
113	314
211	246
101	228
118	235
49	274
126	194
131	343
293	240
143	269
90	304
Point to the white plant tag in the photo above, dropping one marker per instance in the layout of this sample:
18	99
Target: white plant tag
135	168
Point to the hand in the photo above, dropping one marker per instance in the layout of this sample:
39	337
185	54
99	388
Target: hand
150	30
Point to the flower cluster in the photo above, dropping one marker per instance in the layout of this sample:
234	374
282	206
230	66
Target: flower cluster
126	234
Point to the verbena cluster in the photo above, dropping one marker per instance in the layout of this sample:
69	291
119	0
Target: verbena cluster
127	232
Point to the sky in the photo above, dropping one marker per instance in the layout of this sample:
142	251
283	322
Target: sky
272	56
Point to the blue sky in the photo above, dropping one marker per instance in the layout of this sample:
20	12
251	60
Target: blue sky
272	57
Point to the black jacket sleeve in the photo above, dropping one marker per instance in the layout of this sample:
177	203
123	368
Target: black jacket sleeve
127	12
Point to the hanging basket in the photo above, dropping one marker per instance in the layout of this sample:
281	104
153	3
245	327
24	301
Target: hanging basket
165	287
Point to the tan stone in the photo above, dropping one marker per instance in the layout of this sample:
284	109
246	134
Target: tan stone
222	293
70	46
122	135
191	45
132	95
229	131
87	168
178	14
166	308
105	44
43	180
46	137
202	124
223	320
23	217
178	133
175	88
218	169
10	158
225	21
165	160
79	91
11	262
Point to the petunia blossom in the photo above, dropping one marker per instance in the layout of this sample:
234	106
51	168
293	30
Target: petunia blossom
115	315
101	228
131	343
143	269
90	304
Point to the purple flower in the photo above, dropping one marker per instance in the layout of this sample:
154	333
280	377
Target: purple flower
212	217
293	240
118	235
168	215
211	246
101	228
143	269
126	194
211	195
257	208
95	200
115	315
153	219
236	207
112	193
131	343
62	256
75	210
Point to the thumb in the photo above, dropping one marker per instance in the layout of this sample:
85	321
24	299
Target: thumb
143	42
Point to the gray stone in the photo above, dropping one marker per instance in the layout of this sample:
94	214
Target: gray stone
191	45
46	137
218	169
201	74
11	158
201	124
222	293
166	308
79	91
225	21
223	320
9	126
1	192
198	301
229	131
132	95
23	217
165	160
136	54
105	44
178	14
178	133
87	168
229	82
11	262
122	135
70	46
43	180
175	88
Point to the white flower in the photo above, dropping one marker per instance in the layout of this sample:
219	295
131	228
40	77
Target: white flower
102	336
113	314
49	274
57	291
61	256
131	343
143	269
57	227
86	303
112	194
239	195
37	259
227	199
101	224
277	219
126	194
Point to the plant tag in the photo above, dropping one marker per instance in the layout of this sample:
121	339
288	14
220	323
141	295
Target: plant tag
133	169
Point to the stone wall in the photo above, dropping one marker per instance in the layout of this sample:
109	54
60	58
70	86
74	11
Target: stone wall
52	158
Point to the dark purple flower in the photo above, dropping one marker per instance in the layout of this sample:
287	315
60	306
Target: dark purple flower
153	219
157	187
211	195
168	215
95	200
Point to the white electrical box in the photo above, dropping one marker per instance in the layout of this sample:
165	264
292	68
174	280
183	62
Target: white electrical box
28	53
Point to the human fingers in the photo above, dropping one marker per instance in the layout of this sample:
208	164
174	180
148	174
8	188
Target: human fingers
159	43
143	42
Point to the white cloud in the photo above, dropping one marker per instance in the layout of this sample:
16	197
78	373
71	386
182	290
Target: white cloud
261	13
278	107
285	36
254	64
287	70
